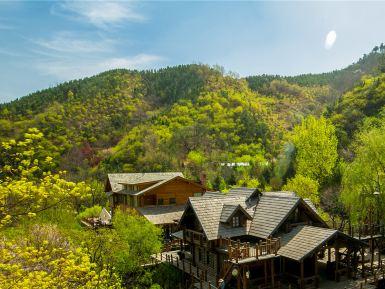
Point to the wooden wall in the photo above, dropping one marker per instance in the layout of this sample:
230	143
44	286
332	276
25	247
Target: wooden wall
179	189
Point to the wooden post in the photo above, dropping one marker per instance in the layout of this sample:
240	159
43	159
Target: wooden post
363	262
243	277
301	283
337	258
265	267
272	271
329	254
239	278
379	254
316	270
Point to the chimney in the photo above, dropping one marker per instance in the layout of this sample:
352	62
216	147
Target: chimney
203	179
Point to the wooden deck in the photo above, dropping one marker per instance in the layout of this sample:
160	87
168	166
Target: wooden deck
204	279
244	252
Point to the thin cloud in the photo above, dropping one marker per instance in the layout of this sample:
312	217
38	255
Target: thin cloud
69	68
138	61
70	43
99	13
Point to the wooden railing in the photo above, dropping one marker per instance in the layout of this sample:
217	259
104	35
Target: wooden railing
241	250
365	230
203	277
172	245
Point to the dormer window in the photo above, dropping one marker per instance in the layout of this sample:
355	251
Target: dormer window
234	215
236	222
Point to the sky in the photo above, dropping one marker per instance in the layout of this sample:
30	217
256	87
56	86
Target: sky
48	42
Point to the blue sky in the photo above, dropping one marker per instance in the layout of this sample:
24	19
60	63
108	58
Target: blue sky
45	43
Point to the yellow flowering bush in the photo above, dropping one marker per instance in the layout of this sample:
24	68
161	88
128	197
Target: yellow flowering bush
46	261
27	186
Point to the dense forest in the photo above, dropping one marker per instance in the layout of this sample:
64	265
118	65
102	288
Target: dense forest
320	135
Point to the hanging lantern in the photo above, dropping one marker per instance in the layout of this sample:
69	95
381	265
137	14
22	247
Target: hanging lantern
248	274
234	272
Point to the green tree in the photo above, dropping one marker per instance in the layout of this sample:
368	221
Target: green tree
139	239
304	187
316	148
365	175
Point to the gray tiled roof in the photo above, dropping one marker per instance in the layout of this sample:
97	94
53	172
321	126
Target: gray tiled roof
310	204
280	194
209	210
135	178
271	211
227	211
159	215
267	212
303	240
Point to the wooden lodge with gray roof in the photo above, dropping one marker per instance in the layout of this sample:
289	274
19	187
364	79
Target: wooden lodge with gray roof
159	197
248	239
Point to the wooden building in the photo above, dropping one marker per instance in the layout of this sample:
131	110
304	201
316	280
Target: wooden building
160	197
248	239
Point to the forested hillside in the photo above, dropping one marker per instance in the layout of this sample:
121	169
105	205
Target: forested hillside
195	118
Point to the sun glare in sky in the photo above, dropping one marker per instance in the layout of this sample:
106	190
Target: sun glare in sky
330	39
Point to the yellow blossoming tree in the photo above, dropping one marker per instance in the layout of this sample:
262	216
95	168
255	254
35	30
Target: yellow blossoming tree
27	186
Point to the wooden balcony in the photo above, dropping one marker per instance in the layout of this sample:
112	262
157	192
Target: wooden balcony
203	278
242	250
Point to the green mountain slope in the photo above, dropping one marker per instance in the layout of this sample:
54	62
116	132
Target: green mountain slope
191	118
340	80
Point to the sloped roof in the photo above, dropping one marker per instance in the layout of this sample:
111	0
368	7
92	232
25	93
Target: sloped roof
209	209
271	212
116	180
160	215
280	194
158	184
229	210
267	211
246	192
303	241
310	204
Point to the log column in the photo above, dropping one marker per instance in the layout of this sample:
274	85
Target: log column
301	283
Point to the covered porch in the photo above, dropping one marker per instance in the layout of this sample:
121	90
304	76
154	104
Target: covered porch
306	250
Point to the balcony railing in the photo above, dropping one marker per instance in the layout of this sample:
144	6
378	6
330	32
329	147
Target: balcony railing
241	250
203	278
365	231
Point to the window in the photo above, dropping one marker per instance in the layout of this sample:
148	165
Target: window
172	201
236	222
197	194
160	201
